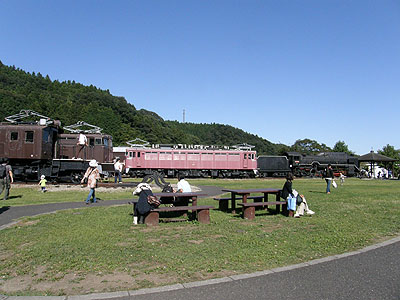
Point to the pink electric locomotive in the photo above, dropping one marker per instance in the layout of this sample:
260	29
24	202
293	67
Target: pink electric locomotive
191	161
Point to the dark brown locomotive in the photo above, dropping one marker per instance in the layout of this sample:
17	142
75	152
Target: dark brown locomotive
41	148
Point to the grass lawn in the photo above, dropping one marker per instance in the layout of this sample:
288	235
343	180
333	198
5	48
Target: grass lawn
97	249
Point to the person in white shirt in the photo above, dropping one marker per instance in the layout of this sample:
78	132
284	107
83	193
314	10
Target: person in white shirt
118	166
183	186
82	143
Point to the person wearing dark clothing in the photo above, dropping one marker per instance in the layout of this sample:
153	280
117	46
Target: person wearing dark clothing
287	194
7	179
287	187
328	178
142	208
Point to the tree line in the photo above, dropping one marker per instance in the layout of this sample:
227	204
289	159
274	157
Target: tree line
70	102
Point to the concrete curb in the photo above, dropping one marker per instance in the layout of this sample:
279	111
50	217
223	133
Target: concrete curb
204	282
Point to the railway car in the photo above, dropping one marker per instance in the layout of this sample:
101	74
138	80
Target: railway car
191	161
273	166
37	148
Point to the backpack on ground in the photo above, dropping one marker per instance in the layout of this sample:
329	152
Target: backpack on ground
3	171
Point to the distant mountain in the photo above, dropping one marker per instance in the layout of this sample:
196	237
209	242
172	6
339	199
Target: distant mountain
71	102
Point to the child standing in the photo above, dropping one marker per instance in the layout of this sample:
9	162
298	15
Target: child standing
342	178
42	183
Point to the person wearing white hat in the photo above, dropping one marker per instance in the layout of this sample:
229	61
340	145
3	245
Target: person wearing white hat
42	183
92	174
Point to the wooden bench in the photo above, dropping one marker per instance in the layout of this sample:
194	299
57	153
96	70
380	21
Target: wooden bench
203	213
249	211
223	203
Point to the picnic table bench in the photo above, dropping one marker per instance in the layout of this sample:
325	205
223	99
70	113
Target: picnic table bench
249	208
199	212
223	203
249	211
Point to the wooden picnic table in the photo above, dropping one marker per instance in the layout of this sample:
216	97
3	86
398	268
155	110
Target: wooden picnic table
201	213
192	196
244	193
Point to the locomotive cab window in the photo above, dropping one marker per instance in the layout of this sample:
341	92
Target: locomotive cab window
91	141
46	135
14	136
28	136
105	142
98	141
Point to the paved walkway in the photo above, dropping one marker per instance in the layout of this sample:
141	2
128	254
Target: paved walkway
372	273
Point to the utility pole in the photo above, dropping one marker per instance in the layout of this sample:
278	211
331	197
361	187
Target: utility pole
183	115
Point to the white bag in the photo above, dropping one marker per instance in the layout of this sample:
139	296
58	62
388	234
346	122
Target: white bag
334	184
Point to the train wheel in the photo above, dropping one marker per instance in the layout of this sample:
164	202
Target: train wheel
76	178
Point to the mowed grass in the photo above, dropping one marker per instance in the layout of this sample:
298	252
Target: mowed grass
102	242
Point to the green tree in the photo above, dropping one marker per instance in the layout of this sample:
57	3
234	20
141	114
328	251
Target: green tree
341	146
307	146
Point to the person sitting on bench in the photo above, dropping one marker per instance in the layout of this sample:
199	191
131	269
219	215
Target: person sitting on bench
302	205
287	194
143	207
182	187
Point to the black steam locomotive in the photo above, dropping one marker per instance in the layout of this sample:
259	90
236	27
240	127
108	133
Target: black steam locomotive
307	165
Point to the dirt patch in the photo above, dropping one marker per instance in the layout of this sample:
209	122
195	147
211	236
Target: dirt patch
75	283
197	242
271	228
26	223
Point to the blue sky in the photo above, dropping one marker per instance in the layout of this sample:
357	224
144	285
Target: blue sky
283	70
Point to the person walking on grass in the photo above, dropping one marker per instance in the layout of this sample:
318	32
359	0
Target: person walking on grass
92	174
328	178
6	178
42	183
118	166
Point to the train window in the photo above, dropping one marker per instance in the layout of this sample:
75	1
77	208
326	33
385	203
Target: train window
29	136
206	156
138	154
252	156
233	157
14	136
98	141
91	141
45	136
245	156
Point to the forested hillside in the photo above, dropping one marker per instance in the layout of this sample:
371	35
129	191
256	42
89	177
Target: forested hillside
228	135
71	102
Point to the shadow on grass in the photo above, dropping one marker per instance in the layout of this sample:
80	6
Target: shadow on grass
15	197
